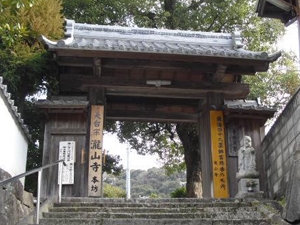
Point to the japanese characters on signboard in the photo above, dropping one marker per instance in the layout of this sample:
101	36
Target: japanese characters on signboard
219	162
234	136
67	153
95	151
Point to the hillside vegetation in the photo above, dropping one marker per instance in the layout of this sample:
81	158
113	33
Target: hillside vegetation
151	183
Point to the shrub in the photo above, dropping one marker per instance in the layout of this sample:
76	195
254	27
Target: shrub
111	191
179	193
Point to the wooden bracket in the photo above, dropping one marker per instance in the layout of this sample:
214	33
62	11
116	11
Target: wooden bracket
97	67
219	74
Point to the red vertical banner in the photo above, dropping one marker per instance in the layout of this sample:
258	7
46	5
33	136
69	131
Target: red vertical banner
95	151
218	148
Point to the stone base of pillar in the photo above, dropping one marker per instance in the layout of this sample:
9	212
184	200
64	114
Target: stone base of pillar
249	188
259	194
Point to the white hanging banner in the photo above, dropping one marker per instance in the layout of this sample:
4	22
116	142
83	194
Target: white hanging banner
67	153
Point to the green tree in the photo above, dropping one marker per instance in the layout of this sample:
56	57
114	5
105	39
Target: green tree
153	182
278	84
177	144
26	66
112	165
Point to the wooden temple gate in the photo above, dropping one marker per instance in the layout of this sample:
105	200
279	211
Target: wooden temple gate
141	74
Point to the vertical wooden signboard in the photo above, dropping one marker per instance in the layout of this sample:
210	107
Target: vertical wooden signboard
219	163
95	151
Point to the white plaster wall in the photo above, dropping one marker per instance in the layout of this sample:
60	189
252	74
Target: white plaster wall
13	143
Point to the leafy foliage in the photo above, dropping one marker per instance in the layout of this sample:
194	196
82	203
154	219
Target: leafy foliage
179	193
278	84
111	165
24	63
105	12
153	138
153	183
111	191
15	5
26	66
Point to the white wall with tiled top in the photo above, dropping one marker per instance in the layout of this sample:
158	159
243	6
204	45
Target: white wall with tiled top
13	140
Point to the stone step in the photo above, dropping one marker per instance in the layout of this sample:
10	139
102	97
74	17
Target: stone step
155	210
95	211
150	200
162	215
197	204
109	221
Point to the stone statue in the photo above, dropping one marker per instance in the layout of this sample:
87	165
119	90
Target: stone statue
246	160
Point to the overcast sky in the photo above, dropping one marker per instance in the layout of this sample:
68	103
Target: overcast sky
291	40
112	146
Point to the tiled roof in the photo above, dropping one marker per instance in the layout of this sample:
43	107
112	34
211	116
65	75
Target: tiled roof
247	105
13	108
144	40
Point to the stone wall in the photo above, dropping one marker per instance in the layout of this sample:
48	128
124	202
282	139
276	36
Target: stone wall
15	203
278	148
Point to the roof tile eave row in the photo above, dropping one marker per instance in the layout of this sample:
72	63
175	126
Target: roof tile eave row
157	41
166	49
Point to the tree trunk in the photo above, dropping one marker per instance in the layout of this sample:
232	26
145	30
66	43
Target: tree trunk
189	137
169	6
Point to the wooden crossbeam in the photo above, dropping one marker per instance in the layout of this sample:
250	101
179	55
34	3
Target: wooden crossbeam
137	115
138	87
255	65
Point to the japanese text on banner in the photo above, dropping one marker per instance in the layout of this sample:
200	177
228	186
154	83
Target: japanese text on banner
95	151
219	162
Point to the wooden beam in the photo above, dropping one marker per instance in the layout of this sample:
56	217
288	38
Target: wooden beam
136	115
138	87
184	104
129	64
258	65
158	64
97	96
68	131
219	74
75	61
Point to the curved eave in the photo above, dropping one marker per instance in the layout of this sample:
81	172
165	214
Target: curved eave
261	114
187	50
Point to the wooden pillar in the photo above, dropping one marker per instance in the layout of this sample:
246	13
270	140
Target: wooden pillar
212	147
96	122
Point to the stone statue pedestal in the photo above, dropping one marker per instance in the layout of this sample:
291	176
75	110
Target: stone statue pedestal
246	191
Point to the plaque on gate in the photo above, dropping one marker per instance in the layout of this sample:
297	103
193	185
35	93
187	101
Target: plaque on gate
67	153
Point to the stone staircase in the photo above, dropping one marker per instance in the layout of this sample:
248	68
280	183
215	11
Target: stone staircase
187	211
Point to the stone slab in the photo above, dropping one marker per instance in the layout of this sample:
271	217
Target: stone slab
254	195
292	210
